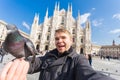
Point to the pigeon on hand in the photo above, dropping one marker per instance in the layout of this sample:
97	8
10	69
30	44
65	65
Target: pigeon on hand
17	45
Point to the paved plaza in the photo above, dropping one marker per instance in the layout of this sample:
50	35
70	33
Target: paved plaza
110	68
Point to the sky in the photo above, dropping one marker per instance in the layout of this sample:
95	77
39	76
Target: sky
104	15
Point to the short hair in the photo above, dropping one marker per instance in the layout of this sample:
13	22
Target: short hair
63	31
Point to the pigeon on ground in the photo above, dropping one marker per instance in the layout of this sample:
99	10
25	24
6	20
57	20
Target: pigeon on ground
17	45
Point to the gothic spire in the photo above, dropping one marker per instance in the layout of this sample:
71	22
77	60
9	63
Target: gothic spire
46	13
58	6
78	15
46	16
113	43
88	24
78	20
36	18
69	7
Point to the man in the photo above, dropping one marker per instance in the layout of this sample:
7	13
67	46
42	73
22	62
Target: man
62	63
89	57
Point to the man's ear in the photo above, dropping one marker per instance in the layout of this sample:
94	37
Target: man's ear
71	40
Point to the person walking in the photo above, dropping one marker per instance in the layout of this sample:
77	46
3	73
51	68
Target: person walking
90	59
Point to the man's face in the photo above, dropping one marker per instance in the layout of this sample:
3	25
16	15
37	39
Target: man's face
63	41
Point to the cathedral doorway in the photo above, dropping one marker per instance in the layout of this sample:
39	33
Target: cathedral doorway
37	48
46	47
81	51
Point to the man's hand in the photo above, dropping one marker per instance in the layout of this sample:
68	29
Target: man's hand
15	70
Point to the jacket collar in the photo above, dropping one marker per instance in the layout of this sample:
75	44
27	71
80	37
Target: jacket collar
54	59
70	53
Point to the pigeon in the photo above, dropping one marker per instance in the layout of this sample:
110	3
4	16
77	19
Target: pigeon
17	45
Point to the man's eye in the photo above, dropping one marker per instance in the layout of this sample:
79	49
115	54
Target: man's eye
56	38
63	37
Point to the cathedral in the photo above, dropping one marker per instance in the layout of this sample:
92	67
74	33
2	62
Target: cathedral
42	34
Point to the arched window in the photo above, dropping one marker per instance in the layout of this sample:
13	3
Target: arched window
73	31
49	29
81	40
62	22
73	39
39	37
48	37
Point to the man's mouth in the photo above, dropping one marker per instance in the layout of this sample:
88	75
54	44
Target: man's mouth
61	46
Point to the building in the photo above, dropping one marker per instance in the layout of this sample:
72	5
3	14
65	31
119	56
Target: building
3	31
112	51
42	34
95	49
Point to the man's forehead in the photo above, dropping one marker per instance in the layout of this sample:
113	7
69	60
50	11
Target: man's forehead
57	35
61	33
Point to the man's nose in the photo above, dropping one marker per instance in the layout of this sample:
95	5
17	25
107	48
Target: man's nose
60	40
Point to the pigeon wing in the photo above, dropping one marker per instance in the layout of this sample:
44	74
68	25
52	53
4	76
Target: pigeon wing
30	47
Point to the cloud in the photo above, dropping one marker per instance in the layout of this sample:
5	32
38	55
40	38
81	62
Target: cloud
26	25
115	31
94	42
116	16
97	22
84	17
93	9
